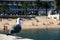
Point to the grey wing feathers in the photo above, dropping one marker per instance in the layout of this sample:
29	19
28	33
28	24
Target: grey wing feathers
15	29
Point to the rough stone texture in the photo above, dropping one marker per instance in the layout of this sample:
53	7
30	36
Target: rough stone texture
5	37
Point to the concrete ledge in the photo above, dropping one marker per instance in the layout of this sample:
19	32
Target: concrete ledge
5	37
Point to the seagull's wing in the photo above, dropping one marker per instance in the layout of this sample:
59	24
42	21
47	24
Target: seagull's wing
15	29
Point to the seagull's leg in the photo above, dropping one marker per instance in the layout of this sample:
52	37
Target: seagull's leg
14	34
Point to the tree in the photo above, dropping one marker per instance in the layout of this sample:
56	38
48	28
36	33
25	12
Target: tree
25	5
37	5
46	5
4	7
0	10
57	2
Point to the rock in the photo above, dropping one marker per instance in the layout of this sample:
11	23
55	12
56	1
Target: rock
0	19
37	20
9	37
58	24
44	24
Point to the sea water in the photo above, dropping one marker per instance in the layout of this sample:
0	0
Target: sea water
39	34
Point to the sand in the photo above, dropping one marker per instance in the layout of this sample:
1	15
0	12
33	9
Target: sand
38	23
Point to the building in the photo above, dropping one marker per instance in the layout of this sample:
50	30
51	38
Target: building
15	6
53	15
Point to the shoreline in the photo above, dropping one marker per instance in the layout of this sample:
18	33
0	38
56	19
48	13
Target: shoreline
32	29
38	23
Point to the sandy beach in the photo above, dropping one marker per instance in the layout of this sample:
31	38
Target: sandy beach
38	23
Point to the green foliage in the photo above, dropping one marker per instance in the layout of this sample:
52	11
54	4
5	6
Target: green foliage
25	4
46	5
57	4
0	8
37	3
4	6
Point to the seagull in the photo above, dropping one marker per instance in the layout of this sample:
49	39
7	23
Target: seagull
16	28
